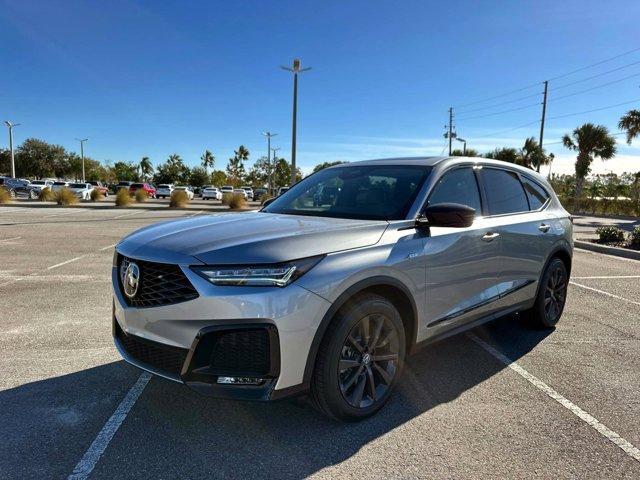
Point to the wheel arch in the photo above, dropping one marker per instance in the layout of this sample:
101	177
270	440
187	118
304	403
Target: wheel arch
390	288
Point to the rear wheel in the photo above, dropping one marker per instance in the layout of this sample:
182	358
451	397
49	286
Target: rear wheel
552	294
360	359
33	194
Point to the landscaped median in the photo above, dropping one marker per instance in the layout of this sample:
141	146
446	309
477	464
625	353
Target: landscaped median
613	241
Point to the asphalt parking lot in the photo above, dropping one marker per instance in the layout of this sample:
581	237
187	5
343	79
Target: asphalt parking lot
567	408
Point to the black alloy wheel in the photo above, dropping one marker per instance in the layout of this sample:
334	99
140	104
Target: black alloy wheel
555	293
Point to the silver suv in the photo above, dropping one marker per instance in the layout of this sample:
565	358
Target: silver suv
330	286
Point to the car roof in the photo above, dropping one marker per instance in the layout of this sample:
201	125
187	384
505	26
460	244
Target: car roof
420	161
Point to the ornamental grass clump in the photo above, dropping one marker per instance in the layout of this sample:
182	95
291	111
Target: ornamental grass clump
65	197
5	196
46	195
122	198
179	199
96	195
237	201
141	196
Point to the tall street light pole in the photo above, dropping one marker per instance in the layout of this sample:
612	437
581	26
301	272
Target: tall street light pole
269	135
273	167
82	140
13	162
295	69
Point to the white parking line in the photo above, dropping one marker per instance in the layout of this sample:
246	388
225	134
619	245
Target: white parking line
65	262
593	422
128	214
607	276
9	239
602	292
89	460
107	247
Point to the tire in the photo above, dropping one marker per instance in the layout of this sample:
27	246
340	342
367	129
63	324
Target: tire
343	384
33	194
551	297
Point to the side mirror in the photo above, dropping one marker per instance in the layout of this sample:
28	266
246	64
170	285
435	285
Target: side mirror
268	202
447	215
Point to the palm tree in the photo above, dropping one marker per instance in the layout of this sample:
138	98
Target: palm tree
145	167
242	153
631	123
208	160
590	141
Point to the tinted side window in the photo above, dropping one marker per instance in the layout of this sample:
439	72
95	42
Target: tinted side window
503	191
536	194
457	186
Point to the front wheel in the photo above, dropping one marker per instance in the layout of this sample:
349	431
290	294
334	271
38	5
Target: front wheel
552	295
360	359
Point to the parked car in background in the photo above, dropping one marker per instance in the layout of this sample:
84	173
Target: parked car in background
241	191
164	190
81	190
59	185
226	189
281	190
40	184
249	191
19	187
331	300
99	186
258	193
123	184
149	189
188	190
211	192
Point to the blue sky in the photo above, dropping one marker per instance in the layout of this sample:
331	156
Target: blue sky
154	78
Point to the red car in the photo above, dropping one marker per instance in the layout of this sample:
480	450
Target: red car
150	189
100	187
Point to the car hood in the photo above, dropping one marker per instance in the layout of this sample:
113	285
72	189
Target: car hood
252	237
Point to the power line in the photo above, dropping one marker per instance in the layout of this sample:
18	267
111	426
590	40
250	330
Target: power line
597	75
502	103
499	96
560	141
594	64
508	130
501	112
596	87
594	110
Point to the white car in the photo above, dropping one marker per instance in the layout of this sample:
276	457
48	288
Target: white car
211	192
226	189
165	190
188	191
241	191
81	190
59	185
249	191
40	184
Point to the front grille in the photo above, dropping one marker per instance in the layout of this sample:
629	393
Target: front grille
164	358
158	284
242	352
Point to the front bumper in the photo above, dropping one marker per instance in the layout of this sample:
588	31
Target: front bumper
186	333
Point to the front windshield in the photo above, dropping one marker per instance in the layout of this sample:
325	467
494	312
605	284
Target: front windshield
373	192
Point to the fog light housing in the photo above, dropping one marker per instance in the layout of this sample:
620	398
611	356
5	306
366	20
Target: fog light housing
240	380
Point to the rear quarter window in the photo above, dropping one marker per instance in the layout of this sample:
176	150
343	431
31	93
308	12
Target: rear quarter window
503	191
537	195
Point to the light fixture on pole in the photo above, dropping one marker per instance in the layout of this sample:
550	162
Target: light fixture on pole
269	135
464	145
82	140
295	69
13	162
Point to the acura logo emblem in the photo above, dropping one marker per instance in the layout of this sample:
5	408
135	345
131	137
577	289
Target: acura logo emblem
130	279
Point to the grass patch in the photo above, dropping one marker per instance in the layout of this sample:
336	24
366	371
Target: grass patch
64	196
96	195
46	195
179	199
122	198
237	201
141	196
5	196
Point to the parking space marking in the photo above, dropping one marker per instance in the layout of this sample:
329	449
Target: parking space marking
65	262
626	446
607	276
89	460
602	292
612	257
107	247
128	214
9	239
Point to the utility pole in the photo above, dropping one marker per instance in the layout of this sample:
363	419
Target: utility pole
544	113
13	162
295	70
272	167
269	135
82	140
450	133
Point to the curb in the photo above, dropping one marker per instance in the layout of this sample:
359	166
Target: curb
615	251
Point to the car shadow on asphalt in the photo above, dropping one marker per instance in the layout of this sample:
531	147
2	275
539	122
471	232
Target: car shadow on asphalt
173	432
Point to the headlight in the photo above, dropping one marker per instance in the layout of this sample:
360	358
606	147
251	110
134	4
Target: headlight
268	275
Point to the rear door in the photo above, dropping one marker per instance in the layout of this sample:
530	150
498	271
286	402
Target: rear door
517	207
461	263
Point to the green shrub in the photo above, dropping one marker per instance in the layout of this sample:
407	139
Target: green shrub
141	195
46	195
179	199
64	196
96	195
634	238
5	196
610	234
122	198
237	201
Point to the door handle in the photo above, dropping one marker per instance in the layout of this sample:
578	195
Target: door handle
489	236
544	228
